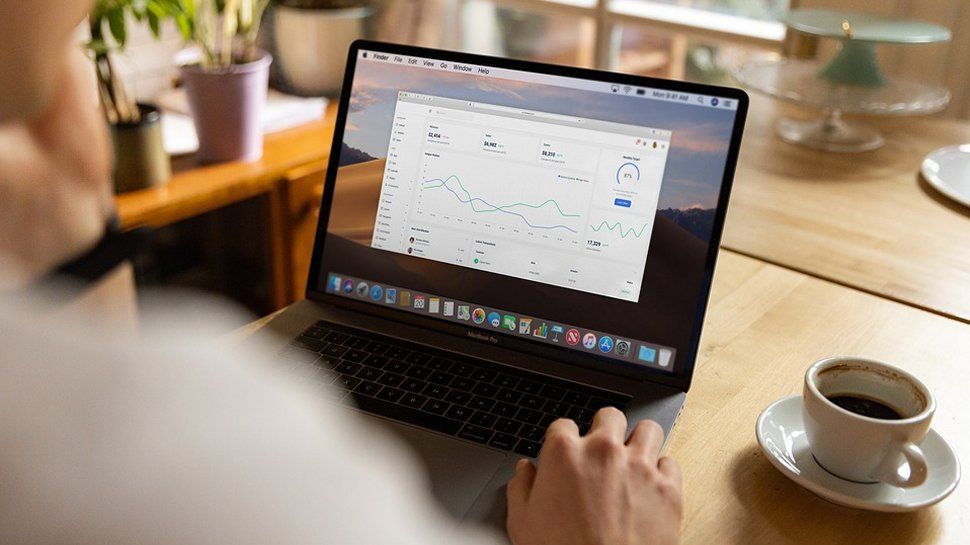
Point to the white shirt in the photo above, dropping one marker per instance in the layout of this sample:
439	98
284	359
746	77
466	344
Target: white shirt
177	439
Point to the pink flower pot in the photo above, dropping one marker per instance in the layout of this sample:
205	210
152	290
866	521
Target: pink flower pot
227	108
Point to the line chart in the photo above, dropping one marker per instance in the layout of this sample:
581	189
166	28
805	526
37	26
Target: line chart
624	232
465	197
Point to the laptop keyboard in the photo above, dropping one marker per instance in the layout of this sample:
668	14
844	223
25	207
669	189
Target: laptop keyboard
476	400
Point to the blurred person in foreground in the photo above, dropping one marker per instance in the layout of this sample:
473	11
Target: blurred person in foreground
107	436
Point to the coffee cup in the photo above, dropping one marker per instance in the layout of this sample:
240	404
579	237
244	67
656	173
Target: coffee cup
865	420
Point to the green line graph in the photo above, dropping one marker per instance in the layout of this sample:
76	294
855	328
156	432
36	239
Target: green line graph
472	201
624	232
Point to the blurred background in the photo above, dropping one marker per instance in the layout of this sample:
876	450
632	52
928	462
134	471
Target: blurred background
220	248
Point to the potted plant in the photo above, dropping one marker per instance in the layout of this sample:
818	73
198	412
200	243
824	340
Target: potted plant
311	38
226	89
136	131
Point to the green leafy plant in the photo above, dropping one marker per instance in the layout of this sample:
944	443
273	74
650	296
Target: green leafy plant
225	30
109	33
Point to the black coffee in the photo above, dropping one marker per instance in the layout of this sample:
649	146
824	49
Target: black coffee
865	407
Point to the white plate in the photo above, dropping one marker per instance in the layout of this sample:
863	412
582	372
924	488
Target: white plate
782	438
948	170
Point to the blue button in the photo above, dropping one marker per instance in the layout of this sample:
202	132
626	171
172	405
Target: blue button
647	354
606	344
625	203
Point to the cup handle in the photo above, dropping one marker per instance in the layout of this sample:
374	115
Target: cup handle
888	472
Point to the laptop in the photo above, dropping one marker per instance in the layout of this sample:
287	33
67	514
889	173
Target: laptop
502	243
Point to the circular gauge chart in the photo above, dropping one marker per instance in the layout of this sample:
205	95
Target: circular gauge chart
628	173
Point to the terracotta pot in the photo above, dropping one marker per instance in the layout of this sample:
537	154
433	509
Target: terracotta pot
227	107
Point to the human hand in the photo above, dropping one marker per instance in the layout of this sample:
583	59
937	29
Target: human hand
55	178
597	489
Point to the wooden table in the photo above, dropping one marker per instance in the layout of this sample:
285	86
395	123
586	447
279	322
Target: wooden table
825	255
765	326
196	189
863	220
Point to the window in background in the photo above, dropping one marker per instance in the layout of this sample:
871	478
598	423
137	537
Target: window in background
698	40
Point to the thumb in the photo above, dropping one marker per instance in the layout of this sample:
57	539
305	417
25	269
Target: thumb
521	484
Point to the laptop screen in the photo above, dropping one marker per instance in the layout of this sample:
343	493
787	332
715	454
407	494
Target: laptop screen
573	213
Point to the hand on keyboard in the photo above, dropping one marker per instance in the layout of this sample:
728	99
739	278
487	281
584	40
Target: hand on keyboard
597	489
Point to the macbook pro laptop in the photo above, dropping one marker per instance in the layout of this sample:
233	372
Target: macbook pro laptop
503	243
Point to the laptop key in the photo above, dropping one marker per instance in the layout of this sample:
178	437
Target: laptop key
413	384
355	356
334	350
483	419
413	400
552	392
397	366
462	384
580	415
327	362
483	375
440	377
509	396
529	416
506	425
532	402
556	408
435	391
576	398
421	373
462	369
458	397
397	352
484	389
375	360
505	381
376	347
475	433
527	448
532	433
390	394
391	379
459	413
597	403
480	403
406	414
418	358
528	386
503	441
348	382
335	337
439	364
367	388
356	343
505	409
369	373
546	420
436	406
348	367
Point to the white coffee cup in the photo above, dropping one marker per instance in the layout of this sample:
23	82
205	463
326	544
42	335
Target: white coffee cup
862	448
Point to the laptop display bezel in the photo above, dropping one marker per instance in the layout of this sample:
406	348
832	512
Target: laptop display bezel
680	380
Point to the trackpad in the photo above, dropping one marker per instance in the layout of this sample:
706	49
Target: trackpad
458	470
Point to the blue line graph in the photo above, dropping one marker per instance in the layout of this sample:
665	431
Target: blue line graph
471	201
623	232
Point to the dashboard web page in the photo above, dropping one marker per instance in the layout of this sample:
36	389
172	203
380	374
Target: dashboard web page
556	199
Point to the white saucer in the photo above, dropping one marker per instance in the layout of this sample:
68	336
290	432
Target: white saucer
948	170
782	438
